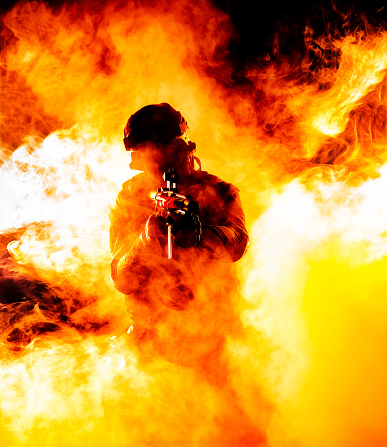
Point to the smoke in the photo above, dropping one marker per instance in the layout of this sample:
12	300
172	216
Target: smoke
293	356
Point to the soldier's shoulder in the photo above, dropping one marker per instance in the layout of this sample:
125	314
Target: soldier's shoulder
217	183
130	189
129	194
135	183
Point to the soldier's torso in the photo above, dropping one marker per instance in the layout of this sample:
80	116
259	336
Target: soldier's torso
209	191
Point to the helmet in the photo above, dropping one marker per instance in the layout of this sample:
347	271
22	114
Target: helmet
159	124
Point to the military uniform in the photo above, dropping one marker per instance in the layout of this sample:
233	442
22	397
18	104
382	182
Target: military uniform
197	282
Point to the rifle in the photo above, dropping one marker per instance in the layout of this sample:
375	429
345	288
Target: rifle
170	200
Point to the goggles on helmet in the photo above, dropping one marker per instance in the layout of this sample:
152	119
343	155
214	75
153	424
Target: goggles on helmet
131	141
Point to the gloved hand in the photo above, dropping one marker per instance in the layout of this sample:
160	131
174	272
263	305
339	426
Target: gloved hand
156	229
186	229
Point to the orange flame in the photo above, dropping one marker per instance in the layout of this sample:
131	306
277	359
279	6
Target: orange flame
306	147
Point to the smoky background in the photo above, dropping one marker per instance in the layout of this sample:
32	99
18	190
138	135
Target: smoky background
287	103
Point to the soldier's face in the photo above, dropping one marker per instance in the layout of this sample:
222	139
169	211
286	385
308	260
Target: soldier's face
156	160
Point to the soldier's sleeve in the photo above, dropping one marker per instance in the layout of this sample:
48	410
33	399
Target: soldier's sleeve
226	238
126	245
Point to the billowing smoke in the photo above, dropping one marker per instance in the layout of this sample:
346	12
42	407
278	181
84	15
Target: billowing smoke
291	352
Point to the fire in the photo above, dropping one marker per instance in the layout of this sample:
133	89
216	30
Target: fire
303	333
361	68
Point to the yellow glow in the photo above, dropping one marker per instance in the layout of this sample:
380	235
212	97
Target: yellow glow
305	335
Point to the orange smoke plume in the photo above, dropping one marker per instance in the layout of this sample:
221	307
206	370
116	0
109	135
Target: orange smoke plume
292	352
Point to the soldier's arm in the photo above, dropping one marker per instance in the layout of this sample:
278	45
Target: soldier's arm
130	252
227	240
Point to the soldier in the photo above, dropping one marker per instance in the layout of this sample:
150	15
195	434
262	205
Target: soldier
198	284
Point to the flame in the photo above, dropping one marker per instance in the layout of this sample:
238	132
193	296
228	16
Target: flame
295	357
